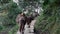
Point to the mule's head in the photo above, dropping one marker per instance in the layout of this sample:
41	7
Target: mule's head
22	14
35	14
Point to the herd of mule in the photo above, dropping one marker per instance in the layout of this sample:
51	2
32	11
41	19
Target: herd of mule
22	19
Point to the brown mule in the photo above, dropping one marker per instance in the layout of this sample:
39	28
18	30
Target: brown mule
31	17
21	19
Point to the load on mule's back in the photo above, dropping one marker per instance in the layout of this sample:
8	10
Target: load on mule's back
21	19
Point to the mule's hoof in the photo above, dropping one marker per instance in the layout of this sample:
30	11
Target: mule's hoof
22	32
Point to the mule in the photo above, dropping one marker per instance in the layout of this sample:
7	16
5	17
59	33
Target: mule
21	19
31	17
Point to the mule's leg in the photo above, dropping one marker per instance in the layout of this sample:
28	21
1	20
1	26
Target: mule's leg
28	24
20	29
23	29
23	25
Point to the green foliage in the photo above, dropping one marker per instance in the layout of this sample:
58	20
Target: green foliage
1	28
13	30
8	14
4	1
13	11
50	19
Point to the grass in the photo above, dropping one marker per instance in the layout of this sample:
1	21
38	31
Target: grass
13	30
